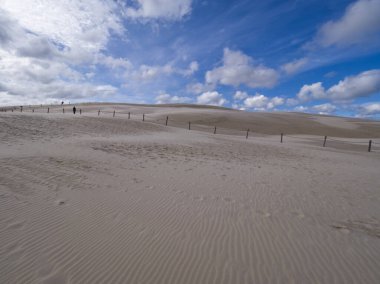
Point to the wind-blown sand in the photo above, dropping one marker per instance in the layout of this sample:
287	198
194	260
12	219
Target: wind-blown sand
88	199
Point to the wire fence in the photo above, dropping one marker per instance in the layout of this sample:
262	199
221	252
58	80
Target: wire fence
352	144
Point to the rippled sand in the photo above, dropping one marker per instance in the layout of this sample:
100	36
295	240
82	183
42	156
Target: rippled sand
103	199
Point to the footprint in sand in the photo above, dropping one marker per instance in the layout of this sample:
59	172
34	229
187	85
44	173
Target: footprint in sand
136	180
264	214
45	270
341	228
299	214
60	202
13	252
16	225
15	255
56	277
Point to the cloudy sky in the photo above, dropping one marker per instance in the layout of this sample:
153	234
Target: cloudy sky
301	55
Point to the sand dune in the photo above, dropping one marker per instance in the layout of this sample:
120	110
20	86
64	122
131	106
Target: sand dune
210	116
103	199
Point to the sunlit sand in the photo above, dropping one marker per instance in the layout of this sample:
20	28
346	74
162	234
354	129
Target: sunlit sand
100	198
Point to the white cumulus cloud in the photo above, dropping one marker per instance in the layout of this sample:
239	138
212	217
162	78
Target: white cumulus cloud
198	88
239	95
313	91
324	108
301	108
359	24
151	72
211	98
44	44
294	66
361	85
238	69
257	101
77	29
160	9
168	99
261	102
370	109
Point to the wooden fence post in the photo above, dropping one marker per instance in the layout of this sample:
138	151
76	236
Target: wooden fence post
129	115
215	130
369	145
63	110
48	110
143	117
189	124
32	110
167	118
98	112
324	142
246	137
113	113
282	134
80	111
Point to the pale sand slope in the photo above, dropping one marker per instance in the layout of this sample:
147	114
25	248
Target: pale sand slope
90	199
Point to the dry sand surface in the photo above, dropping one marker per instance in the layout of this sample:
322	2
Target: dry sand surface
103	199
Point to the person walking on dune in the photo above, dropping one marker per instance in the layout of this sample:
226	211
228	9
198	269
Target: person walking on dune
74	110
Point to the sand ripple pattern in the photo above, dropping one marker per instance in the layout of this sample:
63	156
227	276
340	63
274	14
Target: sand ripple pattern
162	206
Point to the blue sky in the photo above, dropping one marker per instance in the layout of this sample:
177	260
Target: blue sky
310	56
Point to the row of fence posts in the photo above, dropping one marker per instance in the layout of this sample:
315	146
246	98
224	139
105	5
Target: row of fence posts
167	119
246	137
325	139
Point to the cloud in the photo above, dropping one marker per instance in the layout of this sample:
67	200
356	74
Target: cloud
301	108
370	109
364	84
168	99
198	88
292	102
239	95
238	106
113	63
49	51
160	9
211	98
54	92
261	102
257	102
7	28
293	67
193	67
324	108
359	24
76	29
361	85
330	74
148	72
275	101
238	69
313	91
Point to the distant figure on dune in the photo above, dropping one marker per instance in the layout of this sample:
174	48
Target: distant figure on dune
74	110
